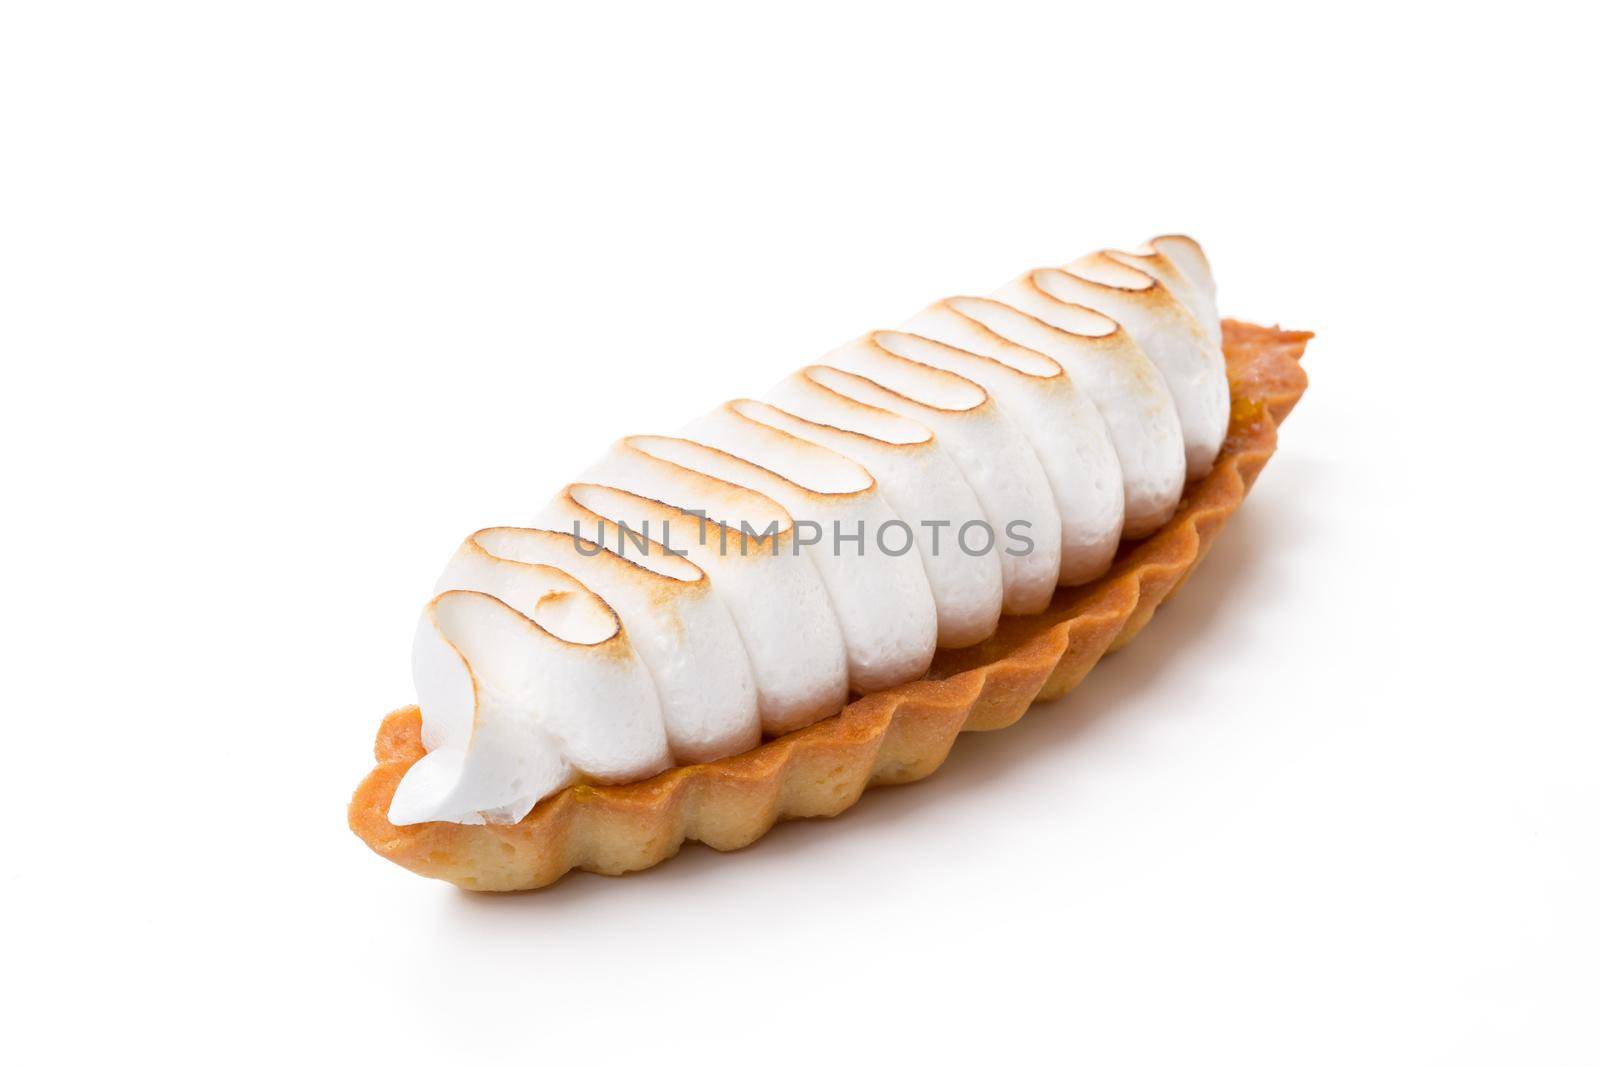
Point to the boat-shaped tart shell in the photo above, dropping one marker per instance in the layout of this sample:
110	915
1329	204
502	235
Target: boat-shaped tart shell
887	738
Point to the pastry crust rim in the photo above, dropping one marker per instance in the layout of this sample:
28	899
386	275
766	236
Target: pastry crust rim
891	737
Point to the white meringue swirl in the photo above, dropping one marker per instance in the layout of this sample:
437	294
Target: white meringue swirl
694	592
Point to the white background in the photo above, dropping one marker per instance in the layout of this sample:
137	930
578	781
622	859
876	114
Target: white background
294	296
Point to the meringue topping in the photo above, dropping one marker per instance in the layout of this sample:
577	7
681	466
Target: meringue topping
1060	421
680	629
1127	389
1169	333
985	444
920	482
695	592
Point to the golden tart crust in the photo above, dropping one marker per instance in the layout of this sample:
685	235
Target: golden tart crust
895	736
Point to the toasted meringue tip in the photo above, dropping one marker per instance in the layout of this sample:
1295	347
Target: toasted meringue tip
1097	268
